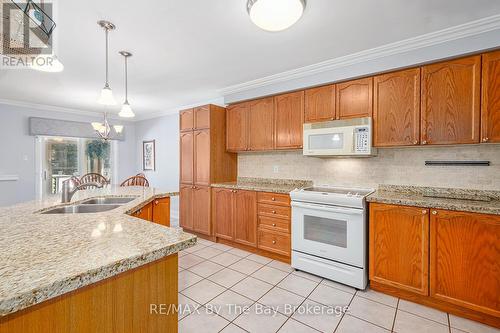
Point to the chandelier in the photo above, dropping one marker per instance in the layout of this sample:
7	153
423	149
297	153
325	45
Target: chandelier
103	130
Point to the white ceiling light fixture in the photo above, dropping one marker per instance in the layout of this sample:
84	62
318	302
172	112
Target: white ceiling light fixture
106	97
103	130
126	111
275	15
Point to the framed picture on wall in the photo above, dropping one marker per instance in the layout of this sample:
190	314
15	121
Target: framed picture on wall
148	155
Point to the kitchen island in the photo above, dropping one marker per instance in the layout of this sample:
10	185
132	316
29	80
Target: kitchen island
88	272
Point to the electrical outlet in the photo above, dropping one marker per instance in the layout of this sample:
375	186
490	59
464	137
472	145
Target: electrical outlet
276	169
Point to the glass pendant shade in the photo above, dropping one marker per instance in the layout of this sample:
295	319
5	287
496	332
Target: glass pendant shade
275	15
97	126
126	111
118	128
106	97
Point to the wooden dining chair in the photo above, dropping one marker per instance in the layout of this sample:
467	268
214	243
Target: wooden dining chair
93	177
136	181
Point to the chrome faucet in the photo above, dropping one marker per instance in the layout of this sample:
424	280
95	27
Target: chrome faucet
68	190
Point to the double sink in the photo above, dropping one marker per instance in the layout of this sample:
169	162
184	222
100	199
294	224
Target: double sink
95	205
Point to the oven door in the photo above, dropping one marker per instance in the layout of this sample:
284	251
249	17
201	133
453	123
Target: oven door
329	232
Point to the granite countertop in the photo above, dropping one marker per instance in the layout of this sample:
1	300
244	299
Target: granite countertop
475	201
47	255
284	186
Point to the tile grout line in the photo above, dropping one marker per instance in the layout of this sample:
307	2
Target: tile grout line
343	315
395	315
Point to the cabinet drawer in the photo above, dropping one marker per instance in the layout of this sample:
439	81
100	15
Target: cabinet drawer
274	224
273	198
274	211
276	242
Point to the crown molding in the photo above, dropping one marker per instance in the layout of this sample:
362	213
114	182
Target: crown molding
216	101
45	107
468	29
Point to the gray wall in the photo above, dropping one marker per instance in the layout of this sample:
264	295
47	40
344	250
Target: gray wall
17	151
165	131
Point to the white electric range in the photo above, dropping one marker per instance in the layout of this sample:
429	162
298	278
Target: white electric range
329	233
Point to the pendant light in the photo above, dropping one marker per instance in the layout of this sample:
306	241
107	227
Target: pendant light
275	15
103	130
126	110
106	97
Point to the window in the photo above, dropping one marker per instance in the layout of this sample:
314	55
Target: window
62	158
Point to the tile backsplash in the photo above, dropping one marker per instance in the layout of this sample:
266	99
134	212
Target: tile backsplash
399	166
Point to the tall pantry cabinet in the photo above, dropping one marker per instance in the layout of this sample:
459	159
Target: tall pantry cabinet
204	161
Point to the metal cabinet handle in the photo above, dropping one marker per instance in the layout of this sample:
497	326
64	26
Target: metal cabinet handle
486	139
424	211
274	224
274	242
273	199
424	142
415	142
156	202
274	212
434	212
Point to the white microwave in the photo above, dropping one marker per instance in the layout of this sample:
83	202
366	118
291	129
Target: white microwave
351	137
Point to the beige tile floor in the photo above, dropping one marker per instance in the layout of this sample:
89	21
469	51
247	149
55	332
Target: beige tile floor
269	296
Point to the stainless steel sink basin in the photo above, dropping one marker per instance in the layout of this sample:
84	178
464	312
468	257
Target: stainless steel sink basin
78	209
105	201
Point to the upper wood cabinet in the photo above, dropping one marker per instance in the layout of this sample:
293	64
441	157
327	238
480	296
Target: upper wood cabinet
396	108
320	104
354	99
245	217
490	109
202	157
288	120
186	119
399	245
187	157
161	211
202	117
451	101
465	260
222	213
237	127
261	124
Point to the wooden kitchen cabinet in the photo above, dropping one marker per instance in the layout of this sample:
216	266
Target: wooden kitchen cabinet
399	245
187	157
161	211
451	102
354	99
261	124
289	120
145	213
202	157
202	117
201	210
490	108
186	206
186	119
222	213
320	104
396	108
465	260
237	127
245	217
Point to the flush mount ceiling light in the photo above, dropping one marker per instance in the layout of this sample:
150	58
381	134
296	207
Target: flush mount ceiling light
275	15
126	110
106	97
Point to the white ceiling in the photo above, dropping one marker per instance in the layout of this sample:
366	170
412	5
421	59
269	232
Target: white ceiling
185	51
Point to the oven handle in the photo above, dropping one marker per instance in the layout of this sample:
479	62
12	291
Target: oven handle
334	209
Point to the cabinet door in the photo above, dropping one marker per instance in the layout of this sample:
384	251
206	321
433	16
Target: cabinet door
289	120
245	217
222	212
320	104
201	210
354	99
146	212
187	120
187	160
186	207
202	117
260	124
490	110
237	127
399	244
396	109
161	211
202	157
465	260
451	102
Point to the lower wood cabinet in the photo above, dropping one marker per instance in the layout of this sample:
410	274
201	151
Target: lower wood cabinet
399	245
222	213
157	211
145	213
195	208
462	274
465	260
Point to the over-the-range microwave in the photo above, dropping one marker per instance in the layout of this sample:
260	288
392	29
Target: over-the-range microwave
350	137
